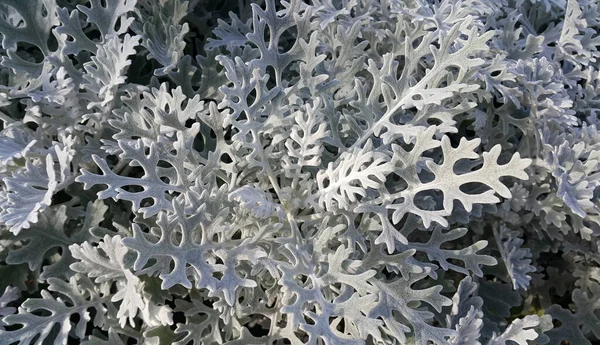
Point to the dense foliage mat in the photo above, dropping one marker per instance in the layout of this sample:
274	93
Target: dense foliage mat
319	172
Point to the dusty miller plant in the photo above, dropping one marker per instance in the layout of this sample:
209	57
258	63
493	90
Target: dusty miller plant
299	172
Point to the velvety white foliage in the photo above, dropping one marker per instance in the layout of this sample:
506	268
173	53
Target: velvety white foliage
520	331
14	145
44	239
78	297
106	263
10	294
516	259
351	176
161	32
28	192
299	172
106	72
256	201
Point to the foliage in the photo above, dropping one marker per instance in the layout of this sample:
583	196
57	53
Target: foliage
300	172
